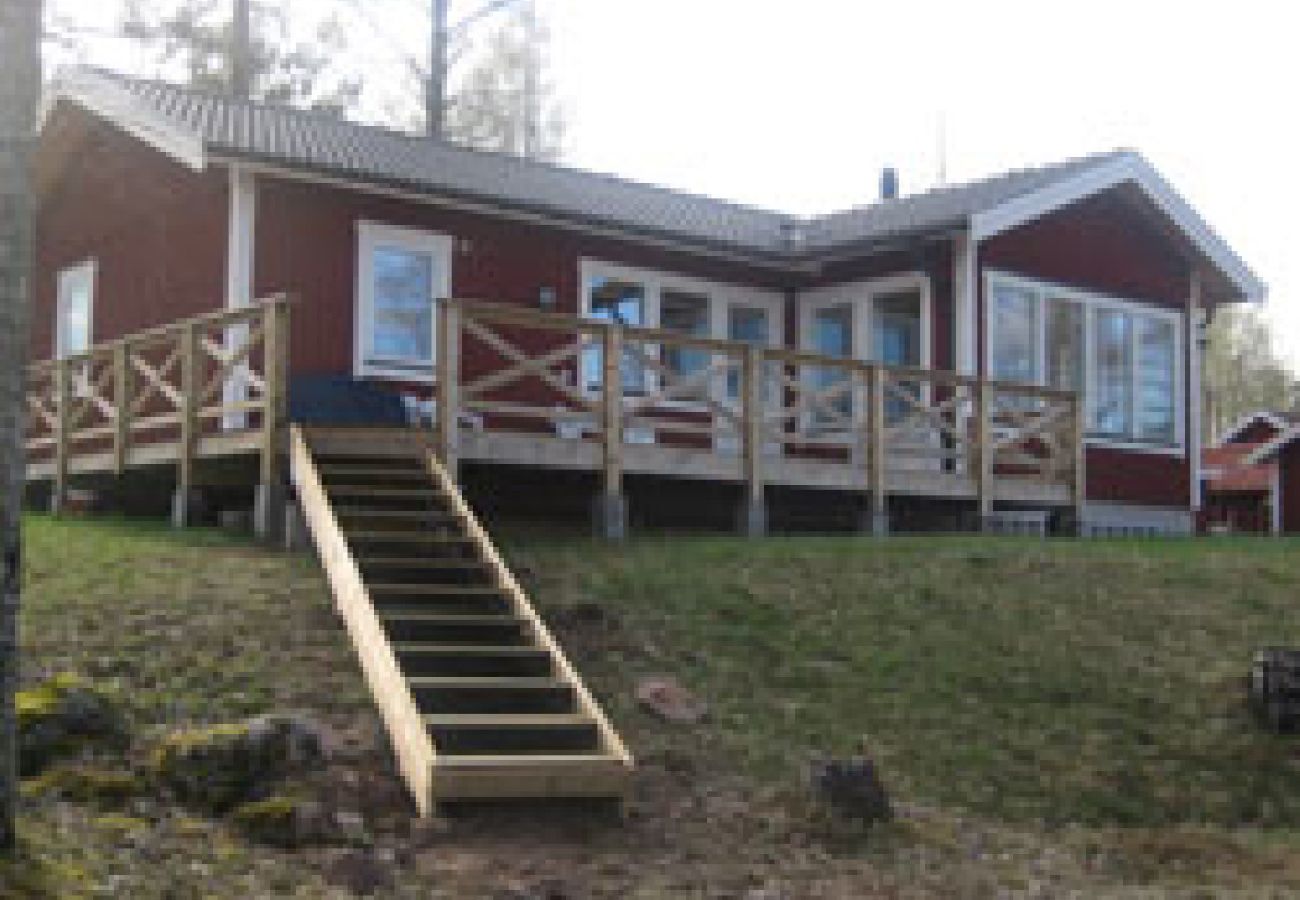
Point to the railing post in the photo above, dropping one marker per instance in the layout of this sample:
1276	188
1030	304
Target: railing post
877	450
269	500
63	395
612	505
182	501
1080	492
122	404
448	386
984	453
754	512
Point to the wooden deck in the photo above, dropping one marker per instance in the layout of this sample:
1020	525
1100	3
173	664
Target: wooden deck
521	388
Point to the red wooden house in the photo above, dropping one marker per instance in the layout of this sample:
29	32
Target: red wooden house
981	310
1281	451
1020	350
1243	484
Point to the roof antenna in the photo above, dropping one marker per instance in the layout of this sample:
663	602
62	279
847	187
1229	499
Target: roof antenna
942	143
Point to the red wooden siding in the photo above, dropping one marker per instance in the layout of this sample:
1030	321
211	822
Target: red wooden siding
156	230
307	244
1104	244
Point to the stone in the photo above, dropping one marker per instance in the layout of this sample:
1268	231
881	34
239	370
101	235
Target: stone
61	717
219	767
853	788
666	698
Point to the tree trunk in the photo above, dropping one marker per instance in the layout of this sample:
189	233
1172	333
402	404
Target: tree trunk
20	78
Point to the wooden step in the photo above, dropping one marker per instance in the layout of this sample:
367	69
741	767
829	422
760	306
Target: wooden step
425	659
391	536
413	472
442	628
495	734
420	562
483	695
413	516
534	776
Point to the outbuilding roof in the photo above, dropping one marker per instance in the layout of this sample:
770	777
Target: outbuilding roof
195	127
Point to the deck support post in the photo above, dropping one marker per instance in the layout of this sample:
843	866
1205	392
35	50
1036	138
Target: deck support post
296	539
754	512
984	454
63	391
1079	488
183	500
448	387
877	453
187	506
611	509
269	502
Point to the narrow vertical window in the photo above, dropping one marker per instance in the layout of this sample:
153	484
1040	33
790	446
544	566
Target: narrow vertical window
750	325
1156	376
1013	345
74	310
1065	344
1113	340
623	303
832	336
686	313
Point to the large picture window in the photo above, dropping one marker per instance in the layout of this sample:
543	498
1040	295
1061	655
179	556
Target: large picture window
1123	355
400	275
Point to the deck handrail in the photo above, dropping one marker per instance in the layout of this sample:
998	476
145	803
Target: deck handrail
172	386
880	416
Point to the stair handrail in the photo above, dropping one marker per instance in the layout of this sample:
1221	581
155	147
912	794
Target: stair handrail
505	580
412	743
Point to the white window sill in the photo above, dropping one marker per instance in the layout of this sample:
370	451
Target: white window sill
417	373
1102	443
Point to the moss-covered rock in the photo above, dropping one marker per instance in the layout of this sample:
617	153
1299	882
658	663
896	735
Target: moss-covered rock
222	766
61	717
86	784
281	820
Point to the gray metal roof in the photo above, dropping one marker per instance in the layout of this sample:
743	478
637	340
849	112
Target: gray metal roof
372	155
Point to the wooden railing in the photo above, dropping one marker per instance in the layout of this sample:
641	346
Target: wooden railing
506	369
161	394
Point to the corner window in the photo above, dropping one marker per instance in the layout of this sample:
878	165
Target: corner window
400	275
1124	356
74	309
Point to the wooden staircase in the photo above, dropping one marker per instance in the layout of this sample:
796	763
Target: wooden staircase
477	697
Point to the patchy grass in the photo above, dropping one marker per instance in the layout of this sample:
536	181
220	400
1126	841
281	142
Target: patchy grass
1091	683
1051	717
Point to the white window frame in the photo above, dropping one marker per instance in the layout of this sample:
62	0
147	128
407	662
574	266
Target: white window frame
1092	301
370	235
89	270
861	295
721	297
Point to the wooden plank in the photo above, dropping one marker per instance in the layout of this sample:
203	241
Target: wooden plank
751	420
612	415
984	450
122	399
63	389
189	363
448	383
876	443
612	744
411	741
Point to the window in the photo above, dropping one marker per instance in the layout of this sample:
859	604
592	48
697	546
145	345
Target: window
401	274
1113	403
686	313
677	303
1124	356
74	309
1014	328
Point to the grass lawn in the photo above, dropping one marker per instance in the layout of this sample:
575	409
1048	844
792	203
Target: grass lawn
1051	716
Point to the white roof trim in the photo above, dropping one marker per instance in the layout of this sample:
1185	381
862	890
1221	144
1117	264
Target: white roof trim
121	108
1250	419
1273	447
1127	167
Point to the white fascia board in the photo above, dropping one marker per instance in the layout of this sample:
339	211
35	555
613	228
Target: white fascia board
1273	447
1250	419
1128	167
120	108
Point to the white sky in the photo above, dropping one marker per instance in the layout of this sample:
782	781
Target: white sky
797	106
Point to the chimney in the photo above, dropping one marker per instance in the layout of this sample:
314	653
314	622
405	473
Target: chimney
889	184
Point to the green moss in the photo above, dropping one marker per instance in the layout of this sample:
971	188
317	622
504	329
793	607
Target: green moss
274	821
209	768
85	784
62	716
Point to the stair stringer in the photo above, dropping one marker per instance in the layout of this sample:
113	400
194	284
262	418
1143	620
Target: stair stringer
412	744
611	744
